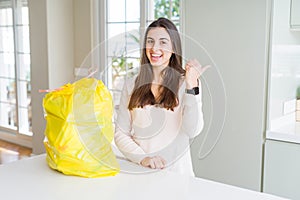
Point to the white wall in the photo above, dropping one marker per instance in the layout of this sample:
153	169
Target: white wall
82	30
235	33
39	68
52	55
60	42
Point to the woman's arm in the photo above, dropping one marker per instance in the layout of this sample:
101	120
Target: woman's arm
192	116
192	119
123	126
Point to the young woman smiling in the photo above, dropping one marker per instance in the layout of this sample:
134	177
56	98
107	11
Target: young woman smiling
161	108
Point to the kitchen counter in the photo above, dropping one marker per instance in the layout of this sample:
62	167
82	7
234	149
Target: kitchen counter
289	133
32	179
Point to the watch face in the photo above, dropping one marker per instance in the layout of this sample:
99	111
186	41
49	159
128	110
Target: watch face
196	90
193	91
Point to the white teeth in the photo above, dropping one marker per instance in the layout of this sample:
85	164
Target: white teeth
155	55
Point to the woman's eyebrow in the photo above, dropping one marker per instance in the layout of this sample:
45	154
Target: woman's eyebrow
150	38
164	39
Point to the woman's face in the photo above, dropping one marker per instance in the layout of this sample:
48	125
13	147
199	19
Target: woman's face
158	47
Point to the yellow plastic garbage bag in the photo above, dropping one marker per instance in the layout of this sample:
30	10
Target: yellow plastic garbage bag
79	129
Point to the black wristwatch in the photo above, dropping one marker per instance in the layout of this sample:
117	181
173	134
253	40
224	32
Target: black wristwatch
194	91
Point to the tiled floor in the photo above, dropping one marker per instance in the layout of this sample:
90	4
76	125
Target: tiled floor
11	152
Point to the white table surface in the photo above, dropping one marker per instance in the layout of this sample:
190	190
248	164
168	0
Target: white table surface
33	179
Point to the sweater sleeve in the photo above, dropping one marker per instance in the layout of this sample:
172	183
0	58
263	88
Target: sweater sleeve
192	116
123	138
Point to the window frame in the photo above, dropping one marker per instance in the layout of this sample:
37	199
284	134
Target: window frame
12	134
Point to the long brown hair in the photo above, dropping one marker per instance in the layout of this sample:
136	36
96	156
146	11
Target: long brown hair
168	91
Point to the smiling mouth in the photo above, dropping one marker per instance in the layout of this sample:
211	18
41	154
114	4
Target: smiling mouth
155	57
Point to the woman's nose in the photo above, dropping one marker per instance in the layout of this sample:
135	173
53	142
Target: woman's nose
155	46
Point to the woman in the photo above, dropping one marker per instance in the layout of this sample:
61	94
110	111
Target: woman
161	109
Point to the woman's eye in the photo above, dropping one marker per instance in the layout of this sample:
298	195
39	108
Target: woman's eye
163	42
149	41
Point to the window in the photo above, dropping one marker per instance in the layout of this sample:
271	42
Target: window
164	8
125	20
15	108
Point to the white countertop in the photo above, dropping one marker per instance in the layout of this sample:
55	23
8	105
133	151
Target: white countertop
33	179
288	133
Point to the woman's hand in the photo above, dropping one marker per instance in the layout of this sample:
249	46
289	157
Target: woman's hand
193	72
155	162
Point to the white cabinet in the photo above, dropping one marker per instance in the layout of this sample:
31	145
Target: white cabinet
295	14
282	169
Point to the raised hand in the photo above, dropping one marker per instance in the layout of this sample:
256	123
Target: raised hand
193	72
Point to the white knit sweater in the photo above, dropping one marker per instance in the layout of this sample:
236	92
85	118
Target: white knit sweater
154	130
